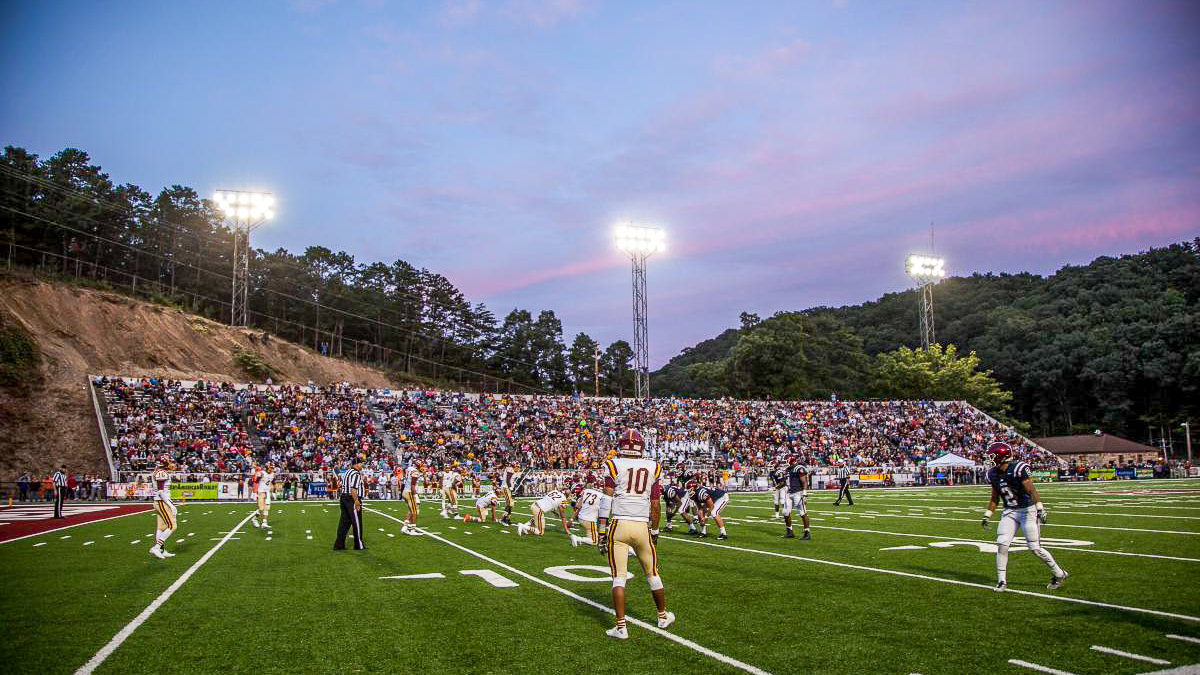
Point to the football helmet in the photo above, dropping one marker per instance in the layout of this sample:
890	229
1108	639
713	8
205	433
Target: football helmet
631	443
164	460
692	484
577	490
998	453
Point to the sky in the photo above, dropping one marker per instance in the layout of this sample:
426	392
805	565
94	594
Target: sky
794	152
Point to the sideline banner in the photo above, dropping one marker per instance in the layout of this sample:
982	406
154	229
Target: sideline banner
1126	474
1144	473
874	478
130	491
1045	475
183	491
1102	474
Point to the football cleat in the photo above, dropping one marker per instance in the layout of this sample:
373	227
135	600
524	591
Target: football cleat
574	541
158	553
722	536
789	535
254	521
1001	586
618	632
663	623
166	553
523	529
668	528
1057	582
807	536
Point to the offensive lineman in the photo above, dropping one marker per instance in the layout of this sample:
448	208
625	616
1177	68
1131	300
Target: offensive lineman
796	497
589	504
553	501
163	508
632	523
451	481
507	478
409	492
678	502
488	501
1013	483
709	501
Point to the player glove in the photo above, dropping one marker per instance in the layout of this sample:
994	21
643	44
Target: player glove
654	536
987	515
603	545
1041	515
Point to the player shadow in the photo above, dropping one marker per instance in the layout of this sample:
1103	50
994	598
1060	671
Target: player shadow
940	572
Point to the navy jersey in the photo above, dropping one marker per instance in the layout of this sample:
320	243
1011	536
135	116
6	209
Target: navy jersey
1009	483
703	494
797	478
777	477
673	494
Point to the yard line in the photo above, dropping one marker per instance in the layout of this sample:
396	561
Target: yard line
88	543
976	520
1042	669
1061	598
1184	638
40	543
1128	655
670	636
125	632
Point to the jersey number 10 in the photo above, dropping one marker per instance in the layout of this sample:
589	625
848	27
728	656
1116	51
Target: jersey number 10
636	480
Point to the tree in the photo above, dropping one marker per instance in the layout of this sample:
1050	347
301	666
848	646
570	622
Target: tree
939	374
581	363
616	370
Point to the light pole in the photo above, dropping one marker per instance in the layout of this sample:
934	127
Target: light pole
1187	431
246	210
596	354
925	271
639	243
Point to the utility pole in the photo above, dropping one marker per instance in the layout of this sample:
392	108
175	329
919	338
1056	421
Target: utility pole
596	362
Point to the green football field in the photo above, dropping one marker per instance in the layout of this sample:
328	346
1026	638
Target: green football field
899	583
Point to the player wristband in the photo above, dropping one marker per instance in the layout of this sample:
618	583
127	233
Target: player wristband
1040	507
987	514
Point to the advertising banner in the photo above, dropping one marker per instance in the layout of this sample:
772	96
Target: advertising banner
316	488
1126	474
1102	474
872	478
130	491
1045	475
182	491
1144	473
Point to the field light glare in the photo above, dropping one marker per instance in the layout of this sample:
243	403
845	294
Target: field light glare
925	267
257	206
636	240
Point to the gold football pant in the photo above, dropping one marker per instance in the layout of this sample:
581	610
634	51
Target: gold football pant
630	534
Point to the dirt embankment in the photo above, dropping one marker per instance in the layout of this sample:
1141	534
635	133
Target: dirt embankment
84	332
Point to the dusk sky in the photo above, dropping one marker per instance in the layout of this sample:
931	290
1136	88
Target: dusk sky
793	151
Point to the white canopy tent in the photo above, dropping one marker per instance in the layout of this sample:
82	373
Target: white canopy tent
950	459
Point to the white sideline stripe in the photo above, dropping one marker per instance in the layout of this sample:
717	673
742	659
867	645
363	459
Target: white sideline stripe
65	527
1061	598
1128	655
125	632
1042	669
1184	638
642	624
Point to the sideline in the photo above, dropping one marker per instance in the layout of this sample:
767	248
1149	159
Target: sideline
67	527
641	624
125	632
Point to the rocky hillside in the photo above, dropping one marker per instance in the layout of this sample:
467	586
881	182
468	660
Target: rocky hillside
46	416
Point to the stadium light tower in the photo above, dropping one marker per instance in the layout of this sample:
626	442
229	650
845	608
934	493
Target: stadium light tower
639	243
925	271
246	210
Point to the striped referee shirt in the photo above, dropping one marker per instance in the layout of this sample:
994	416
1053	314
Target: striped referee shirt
352	481
60	479
843	473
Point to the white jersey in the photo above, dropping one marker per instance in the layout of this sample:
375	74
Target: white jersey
506	479
449	479
264	481
488	500
634	483
551	501
162	485
589	505
411	476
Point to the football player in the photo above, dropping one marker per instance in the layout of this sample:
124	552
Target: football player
678	502
796	496
710	501
164	509
553	501
631	522
777	477
451	482
508	477
411	476
1012	482
260	482
588	504
488	501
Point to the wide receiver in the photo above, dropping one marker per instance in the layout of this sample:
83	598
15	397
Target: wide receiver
260	482
488	501
163	508
1012	482
631	520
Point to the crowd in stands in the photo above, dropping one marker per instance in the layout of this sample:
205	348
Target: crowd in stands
218	428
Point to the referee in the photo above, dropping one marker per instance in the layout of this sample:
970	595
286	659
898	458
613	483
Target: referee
60	490
844	479
351	495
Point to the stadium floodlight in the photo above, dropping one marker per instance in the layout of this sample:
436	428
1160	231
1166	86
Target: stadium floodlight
925	270
246	211
639	243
